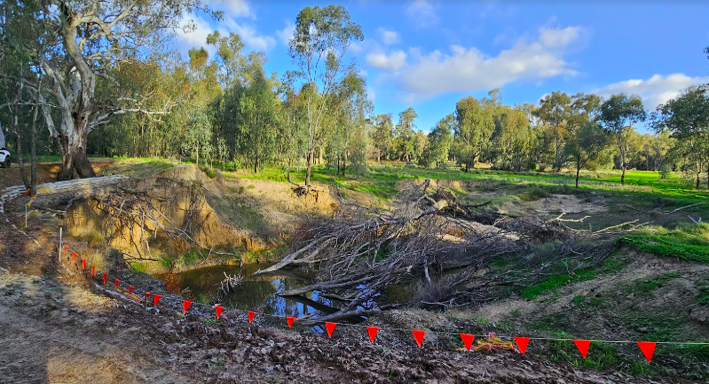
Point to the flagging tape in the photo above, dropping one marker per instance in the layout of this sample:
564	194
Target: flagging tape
646	347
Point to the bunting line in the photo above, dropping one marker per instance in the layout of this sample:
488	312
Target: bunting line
647	348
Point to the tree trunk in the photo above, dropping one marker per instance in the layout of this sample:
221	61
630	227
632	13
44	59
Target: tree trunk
2	137
699	171
622	164
33	149
309	167
20	158
578	170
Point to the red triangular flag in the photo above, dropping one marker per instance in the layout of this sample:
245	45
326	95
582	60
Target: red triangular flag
104	278
418	335
252	314
130	289
219	309
372	332
522	343
185	306
73	256
330	328
156	298
290	320
467	340
648	349
83	263
93	269
583	345
65	248
117	281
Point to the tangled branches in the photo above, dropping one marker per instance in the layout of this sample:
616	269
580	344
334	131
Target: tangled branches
136	218
227	285
432	238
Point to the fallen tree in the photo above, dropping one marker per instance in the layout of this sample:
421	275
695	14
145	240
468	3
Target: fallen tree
430	237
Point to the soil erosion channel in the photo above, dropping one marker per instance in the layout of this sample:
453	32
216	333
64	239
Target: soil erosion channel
253	293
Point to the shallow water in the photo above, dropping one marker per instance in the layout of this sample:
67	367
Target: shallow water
255	293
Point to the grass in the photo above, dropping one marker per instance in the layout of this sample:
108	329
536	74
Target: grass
137	167
556	282
646	286
703	296
688	242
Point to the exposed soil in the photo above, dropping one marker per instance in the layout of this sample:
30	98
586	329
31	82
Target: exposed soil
55	327
57	333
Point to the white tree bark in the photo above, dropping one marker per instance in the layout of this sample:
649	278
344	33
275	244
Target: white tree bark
2	137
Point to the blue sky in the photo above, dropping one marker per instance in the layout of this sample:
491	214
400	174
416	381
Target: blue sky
428	54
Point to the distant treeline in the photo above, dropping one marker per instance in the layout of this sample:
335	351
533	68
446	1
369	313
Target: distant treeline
226	109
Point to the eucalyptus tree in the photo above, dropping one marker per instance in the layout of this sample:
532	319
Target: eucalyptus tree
686	117
513	139
475	125
229	60
383	136
555	111
84	39
322	38
257	116
405	134
618	114
587	146
440	140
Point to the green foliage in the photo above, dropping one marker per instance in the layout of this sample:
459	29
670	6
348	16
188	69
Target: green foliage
686	243
534	194
556	282
139	267
439	143
474	129
703	296
648	285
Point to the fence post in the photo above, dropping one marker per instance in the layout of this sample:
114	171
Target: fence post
60	244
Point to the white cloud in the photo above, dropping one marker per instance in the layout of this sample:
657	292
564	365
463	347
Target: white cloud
197	36
392	62
231	8
250	36
389	37
655	90
421	13
193	31
469	69
551	37
286	33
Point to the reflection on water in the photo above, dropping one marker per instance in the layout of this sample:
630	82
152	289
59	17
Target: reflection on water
255	293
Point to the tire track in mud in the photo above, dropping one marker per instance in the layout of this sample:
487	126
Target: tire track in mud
34	352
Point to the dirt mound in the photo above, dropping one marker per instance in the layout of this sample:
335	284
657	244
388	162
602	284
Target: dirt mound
181	207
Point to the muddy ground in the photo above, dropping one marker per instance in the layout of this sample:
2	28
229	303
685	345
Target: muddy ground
54	328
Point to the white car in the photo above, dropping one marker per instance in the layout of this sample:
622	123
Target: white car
5	158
